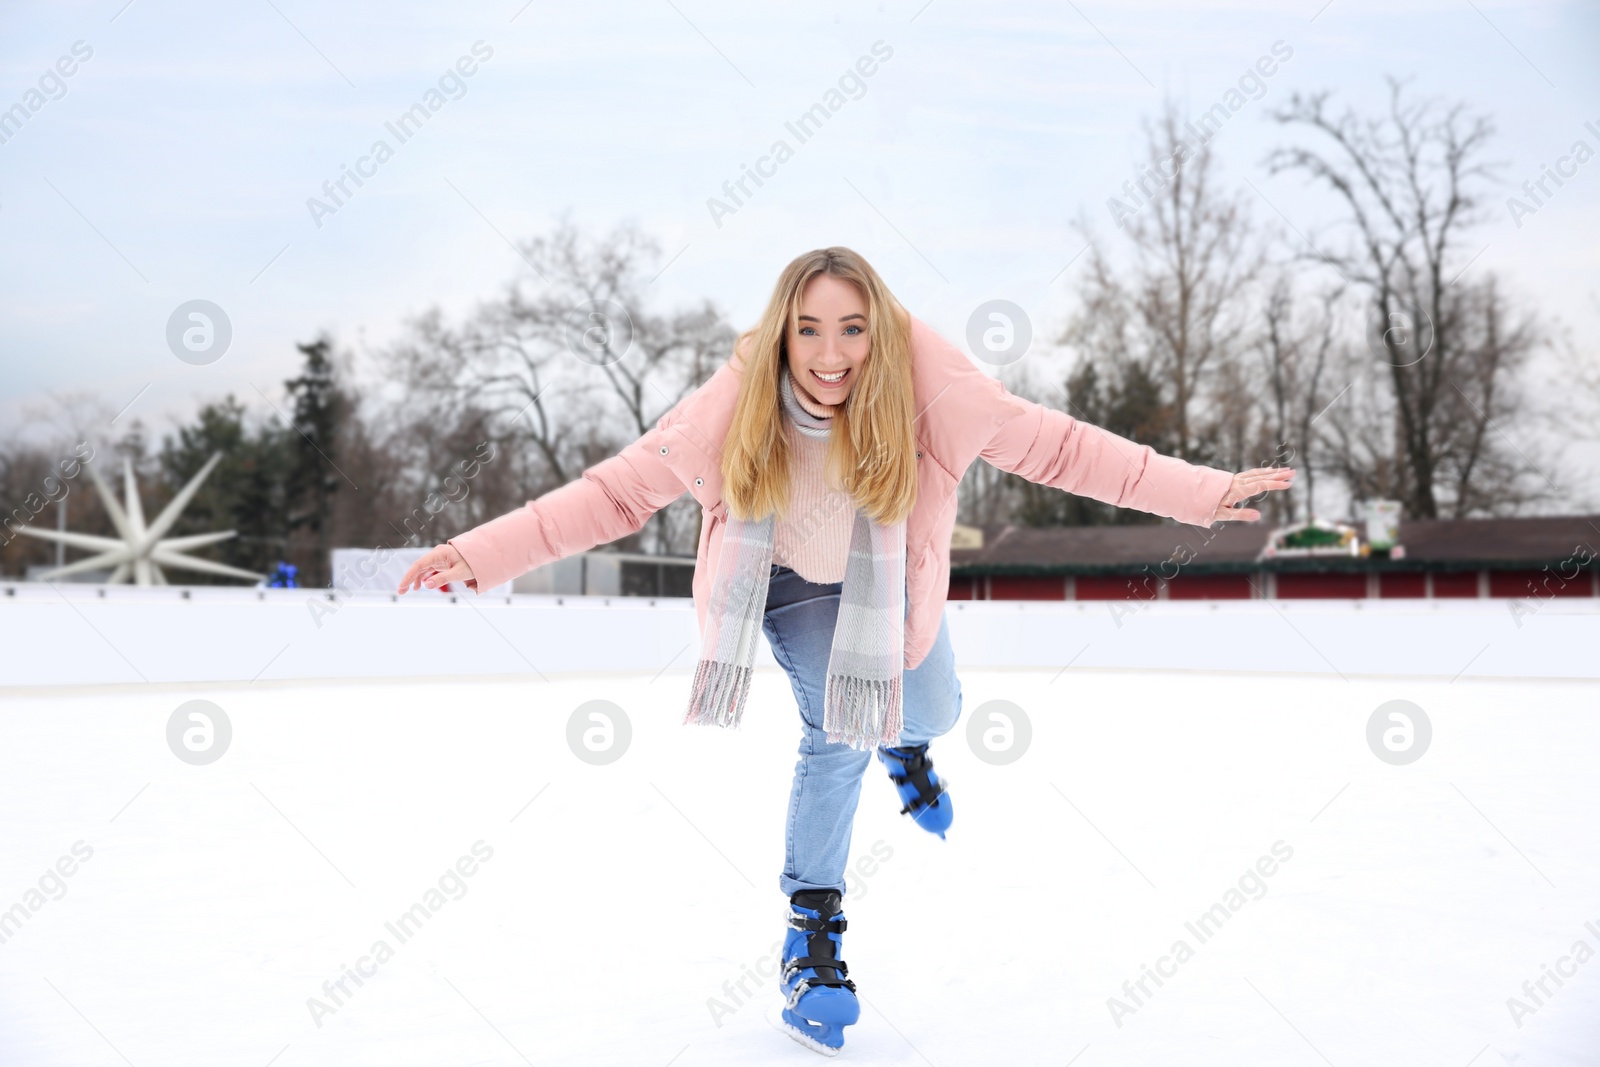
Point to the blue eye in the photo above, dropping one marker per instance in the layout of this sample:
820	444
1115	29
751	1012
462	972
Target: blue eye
854	327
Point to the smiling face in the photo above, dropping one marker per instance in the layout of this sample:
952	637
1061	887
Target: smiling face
829	342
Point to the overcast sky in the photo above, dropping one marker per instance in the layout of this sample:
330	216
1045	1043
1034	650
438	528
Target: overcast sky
176	161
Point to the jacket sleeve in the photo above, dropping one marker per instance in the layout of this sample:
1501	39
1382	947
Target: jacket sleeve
613	498
1052	448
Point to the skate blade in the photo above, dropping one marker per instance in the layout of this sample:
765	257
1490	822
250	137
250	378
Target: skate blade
775	1017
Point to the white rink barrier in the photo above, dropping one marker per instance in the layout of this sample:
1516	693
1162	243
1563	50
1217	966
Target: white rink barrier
66	634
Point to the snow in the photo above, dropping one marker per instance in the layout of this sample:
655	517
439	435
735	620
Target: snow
621	898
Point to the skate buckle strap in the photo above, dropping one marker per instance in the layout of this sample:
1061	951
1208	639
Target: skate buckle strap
800	963
917	767
832	926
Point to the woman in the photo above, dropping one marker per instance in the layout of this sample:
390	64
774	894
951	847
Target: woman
826	454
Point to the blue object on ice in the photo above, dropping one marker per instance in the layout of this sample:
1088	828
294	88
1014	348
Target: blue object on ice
820	1001
922	792
283	577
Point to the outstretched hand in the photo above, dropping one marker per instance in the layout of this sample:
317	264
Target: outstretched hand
1248	484
443	564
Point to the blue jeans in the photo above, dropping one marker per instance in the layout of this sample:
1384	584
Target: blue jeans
799	622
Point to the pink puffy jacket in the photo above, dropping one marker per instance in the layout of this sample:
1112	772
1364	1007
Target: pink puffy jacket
963	414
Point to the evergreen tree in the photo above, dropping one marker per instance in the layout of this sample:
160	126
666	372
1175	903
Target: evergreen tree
244	493
313	477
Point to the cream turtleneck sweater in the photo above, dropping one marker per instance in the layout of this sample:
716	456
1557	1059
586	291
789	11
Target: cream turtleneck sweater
813	539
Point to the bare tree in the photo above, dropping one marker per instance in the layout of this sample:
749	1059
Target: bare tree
1154	344
1181	309
1295	353
589	301
1408	185
571	360
1575	380
1489	473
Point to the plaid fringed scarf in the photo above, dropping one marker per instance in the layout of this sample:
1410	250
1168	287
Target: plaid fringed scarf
862	698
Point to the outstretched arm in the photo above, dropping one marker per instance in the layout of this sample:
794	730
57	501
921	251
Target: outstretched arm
613	498
1052	448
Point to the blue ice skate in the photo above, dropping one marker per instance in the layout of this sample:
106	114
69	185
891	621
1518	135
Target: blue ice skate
925	797
820	1000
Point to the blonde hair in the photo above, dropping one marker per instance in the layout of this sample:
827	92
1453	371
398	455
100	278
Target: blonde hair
871	448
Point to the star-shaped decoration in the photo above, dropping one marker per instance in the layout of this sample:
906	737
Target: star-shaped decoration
139	551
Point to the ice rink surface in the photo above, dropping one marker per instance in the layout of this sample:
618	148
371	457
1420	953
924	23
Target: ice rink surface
613	912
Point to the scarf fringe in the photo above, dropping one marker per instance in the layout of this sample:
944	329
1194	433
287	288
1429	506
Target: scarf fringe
718	695
862	712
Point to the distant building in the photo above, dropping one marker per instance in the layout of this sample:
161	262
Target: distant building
1526	557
